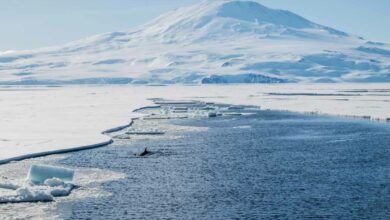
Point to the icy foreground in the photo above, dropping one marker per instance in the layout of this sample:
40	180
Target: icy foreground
42	185
88	184
38	121
210	42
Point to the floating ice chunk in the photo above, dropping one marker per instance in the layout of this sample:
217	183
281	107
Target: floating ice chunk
54	182
33	194
58	188
39	173
61	191
54	187
42	185
28	194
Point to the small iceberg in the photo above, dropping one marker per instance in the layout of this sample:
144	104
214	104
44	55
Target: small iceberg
43	184
38	174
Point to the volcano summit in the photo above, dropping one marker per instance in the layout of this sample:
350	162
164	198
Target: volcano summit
210	42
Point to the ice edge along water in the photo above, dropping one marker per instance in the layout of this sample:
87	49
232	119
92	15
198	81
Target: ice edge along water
213	42
58	151
79	148
81	114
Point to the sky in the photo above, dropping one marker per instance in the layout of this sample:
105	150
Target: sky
29	24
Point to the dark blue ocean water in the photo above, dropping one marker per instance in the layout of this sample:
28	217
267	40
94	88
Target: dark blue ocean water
284	166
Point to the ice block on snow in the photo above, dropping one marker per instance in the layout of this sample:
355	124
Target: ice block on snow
39	173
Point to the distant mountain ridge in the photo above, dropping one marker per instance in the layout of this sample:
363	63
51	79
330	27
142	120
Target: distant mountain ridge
210	42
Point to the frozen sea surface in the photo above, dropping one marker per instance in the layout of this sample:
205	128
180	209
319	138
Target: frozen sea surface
285	166
49	120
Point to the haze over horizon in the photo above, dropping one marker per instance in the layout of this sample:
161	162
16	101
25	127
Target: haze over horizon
32	24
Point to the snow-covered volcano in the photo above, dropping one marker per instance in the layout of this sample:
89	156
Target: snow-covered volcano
211	42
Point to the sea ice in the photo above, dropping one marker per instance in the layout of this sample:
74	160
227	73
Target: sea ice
40	173
32	194
43	184
9	185
58	188
75	119
39	193
54	182
150	131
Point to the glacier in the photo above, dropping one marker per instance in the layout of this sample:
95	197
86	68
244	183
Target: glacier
210	42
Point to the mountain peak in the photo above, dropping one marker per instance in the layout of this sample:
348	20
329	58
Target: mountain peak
213	41
229	17
255	12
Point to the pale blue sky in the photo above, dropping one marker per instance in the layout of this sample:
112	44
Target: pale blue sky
28	24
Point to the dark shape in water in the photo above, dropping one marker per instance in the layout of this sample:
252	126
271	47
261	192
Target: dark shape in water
286	166
212	114
143	153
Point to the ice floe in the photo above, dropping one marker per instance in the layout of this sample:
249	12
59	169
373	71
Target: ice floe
38	174
43	184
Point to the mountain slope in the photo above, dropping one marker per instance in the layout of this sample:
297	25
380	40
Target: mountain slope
210	42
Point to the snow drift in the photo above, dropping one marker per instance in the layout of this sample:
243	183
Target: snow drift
207	41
